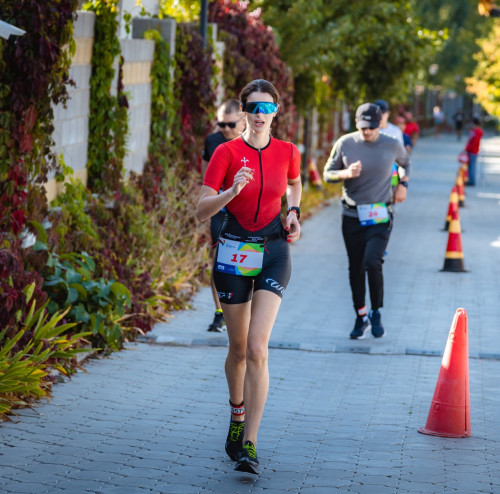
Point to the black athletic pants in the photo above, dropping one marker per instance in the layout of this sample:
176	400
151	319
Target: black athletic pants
365	247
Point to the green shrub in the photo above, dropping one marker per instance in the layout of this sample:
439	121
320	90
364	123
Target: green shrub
73	229
98	305
25	365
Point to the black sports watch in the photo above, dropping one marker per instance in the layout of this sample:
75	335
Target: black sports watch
404	183
296	209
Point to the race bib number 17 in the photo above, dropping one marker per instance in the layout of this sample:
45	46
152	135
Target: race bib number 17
241	258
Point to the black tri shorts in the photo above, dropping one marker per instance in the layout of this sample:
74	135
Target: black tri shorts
276	265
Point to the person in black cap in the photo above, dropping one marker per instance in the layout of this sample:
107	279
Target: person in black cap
363	161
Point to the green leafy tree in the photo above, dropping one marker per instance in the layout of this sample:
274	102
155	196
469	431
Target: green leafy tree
360	50
377	47
300	31
462	24
181	10
485	83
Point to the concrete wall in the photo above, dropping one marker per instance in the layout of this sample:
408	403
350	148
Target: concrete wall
71	128
219	48
130	6
138	56
167	28
71	123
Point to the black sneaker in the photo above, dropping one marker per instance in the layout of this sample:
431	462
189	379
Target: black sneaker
234	441
360	328
247	461
218	325
376	319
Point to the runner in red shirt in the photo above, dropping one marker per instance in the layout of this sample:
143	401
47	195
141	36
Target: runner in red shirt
252	263
259	202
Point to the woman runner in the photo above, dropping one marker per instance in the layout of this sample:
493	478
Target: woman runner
252	263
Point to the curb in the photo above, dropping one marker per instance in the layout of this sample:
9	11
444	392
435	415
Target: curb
286	345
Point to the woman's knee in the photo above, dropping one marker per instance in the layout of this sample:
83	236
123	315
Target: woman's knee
237	353
257	352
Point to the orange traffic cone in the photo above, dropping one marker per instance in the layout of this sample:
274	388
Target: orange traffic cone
314	176
454	257
465	172
453	206
459	183
449	414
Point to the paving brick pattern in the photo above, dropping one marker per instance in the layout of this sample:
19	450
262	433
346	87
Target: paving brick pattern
342	416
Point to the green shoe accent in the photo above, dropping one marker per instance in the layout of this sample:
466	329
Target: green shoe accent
234	441
247	461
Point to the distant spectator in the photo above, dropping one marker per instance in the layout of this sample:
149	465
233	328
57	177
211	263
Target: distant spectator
346	120
472	148
438	117
411	128
458	118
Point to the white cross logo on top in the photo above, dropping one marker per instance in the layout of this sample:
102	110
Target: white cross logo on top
244	161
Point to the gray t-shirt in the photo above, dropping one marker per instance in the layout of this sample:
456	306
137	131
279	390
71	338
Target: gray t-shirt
393	131
377	159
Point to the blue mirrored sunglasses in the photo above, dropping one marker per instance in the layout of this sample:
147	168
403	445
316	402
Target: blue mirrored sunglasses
260	107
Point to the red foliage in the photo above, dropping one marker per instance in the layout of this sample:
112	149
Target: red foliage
31	59
14	278
13	197
193	86
252	53
33	79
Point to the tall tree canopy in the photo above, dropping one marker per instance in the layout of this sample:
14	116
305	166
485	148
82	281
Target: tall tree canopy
362	50
463	26
485	83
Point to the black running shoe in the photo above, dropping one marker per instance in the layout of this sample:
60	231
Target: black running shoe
234	441
360	328
376	319
218	325
247	461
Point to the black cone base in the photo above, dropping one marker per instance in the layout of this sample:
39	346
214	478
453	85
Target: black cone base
454	265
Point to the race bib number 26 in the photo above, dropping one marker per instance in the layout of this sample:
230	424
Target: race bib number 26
241	258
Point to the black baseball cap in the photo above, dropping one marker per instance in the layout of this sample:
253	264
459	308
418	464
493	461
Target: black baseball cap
383	105
368	115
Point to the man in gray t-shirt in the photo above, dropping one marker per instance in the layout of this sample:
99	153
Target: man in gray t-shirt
363	161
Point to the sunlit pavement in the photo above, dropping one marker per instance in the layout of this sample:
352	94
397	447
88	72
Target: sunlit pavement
342	415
